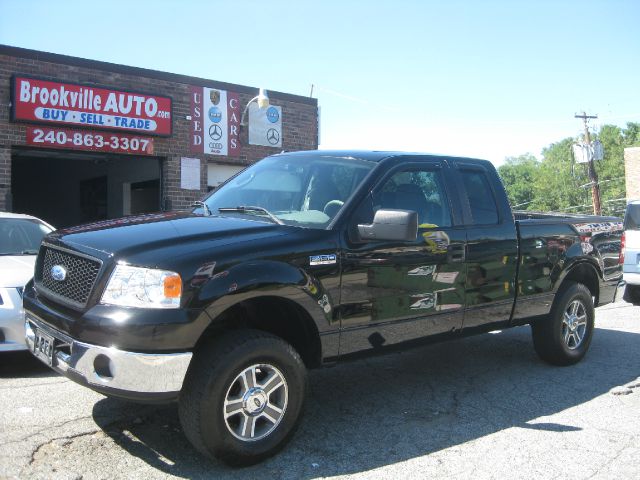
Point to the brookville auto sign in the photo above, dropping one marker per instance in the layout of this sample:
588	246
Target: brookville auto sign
43	101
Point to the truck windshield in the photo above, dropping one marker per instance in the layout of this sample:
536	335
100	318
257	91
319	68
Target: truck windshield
306	191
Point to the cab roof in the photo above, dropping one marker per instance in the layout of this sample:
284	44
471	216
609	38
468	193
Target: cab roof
372	155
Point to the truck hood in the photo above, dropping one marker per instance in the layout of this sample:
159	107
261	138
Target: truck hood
130	235
16	270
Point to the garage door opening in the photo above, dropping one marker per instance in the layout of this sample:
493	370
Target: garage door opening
65	188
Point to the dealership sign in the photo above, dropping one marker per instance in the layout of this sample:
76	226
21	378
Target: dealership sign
265	126
215	121
42	101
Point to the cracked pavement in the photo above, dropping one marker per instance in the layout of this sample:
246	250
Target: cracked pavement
482	407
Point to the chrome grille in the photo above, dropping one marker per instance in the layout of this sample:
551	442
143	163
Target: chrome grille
82	273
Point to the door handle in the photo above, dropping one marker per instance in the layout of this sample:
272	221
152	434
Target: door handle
456	252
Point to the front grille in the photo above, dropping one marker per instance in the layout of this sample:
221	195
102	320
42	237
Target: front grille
82	272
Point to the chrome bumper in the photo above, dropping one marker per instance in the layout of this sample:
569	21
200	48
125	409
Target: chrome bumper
11	315
110	369
631	278
620	290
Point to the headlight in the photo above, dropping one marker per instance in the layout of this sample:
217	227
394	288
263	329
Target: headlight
143	287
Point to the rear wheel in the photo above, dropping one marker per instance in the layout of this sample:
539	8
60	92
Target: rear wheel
564	336
243	396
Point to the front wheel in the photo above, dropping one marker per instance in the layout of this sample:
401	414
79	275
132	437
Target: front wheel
243	396
564	336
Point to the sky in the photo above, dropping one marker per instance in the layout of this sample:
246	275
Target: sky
487	79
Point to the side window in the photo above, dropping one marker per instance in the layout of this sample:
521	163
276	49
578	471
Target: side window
481	200
419	190
632	217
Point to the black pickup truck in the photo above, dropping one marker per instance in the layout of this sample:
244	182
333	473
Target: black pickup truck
301	260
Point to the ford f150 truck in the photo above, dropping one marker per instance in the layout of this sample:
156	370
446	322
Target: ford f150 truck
300	260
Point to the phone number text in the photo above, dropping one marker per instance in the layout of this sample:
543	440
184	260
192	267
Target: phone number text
80	140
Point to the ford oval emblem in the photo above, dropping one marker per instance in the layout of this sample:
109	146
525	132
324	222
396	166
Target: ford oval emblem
58	272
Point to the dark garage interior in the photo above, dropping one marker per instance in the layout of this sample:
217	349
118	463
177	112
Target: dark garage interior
65	188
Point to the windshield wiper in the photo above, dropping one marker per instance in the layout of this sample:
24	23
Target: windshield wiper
247	209
29	252
203	205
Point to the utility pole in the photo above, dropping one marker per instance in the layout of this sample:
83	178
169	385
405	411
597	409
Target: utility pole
593	175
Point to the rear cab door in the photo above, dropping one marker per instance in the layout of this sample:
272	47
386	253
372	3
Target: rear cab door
492	244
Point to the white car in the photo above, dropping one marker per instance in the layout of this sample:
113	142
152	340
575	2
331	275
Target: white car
631	250
20	237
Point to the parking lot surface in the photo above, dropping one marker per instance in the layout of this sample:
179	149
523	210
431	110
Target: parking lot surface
481	407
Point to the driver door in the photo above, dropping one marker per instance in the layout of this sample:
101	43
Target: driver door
397	291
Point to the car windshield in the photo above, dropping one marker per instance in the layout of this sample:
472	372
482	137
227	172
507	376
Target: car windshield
306	191
632	217
21	236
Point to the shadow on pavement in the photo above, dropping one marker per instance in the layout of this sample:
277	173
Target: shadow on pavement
23	364
375	412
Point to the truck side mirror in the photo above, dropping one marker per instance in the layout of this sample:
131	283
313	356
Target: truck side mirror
391	224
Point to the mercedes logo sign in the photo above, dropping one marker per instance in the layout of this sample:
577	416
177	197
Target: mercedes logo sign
215	132
273	136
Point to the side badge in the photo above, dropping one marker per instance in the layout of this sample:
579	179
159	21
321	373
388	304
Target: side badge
323	259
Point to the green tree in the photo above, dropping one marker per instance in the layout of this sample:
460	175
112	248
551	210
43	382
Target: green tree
518	175
558	183
631	135
611	169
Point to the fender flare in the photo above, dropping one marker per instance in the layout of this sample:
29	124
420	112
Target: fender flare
267	278
574	266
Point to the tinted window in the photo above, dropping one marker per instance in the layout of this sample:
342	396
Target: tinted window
418	190
632	217
481	200
21	236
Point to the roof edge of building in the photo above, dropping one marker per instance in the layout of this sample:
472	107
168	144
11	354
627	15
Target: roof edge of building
145	72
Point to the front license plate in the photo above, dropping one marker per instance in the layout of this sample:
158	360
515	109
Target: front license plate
43	347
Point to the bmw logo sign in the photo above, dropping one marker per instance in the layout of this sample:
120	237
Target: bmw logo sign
59	273
215	115
272	114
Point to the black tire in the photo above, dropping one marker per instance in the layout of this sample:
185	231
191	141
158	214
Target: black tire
214	376
632	294
564	336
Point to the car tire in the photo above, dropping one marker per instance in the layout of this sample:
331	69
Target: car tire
632	294
243	396
563	337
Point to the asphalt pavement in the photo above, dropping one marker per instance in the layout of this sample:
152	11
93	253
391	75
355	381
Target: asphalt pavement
482	407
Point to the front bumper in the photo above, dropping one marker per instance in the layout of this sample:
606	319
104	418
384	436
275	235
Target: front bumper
11	319
620	290
632	278
130	375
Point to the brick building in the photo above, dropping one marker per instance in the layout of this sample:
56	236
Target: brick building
83	140
632	172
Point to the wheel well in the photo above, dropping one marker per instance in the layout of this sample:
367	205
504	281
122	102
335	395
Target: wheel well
278	316
586	275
